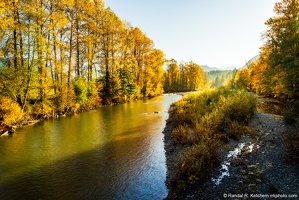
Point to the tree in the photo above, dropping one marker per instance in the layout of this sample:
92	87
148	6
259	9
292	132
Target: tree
186	77
110	42
283	43
172	78
58	55
195	76
153	80
243	79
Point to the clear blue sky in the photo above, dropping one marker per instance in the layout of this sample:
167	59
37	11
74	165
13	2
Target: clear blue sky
218	33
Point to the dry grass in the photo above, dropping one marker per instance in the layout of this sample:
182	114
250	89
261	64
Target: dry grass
204	121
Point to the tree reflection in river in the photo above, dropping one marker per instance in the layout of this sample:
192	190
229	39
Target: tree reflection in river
113	152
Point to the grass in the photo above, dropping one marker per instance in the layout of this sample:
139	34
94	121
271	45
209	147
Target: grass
203	122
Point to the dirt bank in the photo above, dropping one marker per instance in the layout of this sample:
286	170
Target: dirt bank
259	168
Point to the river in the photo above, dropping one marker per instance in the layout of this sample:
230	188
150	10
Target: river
114	152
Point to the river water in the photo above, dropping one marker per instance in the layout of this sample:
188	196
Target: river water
114	152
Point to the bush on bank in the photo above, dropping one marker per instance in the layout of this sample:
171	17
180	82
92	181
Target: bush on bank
203	122
10	111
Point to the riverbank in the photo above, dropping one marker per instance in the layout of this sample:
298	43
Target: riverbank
8	130
32	118
253	164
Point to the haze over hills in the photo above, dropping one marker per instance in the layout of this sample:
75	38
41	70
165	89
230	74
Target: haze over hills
207	68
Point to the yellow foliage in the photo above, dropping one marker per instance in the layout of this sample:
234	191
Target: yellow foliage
10	111
42	110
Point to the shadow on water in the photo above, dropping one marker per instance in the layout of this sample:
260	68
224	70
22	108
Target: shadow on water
82	176
112	153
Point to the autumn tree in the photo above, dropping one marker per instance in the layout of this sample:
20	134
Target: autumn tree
186	77
56	56
172	76
195	76
243	78
283	43
153	73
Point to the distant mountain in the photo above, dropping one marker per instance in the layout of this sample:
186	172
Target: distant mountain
250	61
206	68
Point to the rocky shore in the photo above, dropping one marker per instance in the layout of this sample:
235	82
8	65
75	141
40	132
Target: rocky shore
257	166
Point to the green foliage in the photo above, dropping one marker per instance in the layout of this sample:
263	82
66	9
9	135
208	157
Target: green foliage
283	43
10	111
290	113
81	90
127	85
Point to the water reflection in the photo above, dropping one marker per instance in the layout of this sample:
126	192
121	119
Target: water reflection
115	152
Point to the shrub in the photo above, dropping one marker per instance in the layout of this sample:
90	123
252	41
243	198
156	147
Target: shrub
42	110
181	115
238	106
10	111
198	160
204	120
182	134
236	130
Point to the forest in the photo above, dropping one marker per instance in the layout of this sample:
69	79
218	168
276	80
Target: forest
60	57
275	73
184	77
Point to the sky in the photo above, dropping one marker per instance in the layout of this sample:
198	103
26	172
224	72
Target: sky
217	33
